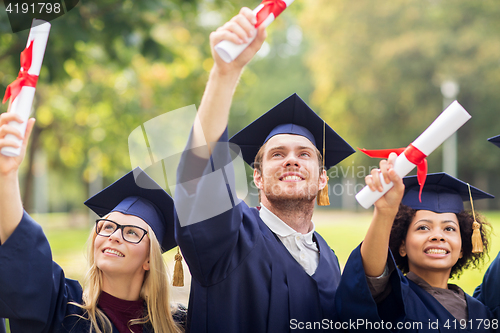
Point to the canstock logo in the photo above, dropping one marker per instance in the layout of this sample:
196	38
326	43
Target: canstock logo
201	188
22	12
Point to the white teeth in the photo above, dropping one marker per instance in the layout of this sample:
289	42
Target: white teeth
436	251
292	178
114	252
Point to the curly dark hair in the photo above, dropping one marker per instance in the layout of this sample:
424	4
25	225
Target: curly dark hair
465	219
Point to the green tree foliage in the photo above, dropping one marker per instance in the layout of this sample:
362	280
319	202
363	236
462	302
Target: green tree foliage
109	66
112	65
378	67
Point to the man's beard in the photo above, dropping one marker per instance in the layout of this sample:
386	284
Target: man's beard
296	201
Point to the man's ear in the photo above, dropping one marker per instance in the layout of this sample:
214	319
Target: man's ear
257	178
323	180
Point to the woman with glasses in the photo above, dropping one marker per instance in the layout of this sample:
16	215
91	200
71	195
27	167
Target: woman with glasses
126	287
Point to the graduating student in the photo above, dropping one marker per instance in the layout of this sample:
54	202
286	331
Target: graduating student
489	291
127	288
256	270
406	288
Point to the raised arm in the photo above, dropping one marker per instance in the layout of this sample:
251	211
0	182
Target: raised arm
376	242
213	112
11	206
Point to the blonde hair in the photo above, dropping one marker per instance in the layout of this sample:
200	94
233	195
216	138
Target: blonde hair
154	291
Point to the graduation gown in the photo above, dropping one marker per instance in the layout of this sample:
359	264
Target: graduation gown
488	292
243	277
408	305
34	293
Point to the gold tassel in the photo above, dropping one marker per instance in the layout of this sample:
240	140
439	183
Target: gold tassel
477	241
322	198
178	280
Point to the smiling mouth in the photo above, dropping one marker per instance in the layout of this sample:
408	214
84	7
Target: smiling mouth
436	251
291	178
115	252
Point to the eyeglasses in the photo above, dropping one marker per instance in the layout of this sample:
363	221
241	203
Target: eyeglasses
130	233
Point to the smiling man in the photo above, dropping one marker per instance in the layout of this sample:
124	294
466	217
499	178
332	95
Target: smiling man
257	270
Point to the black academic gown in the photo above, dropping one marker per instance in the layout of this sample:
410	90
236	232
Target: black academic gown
34	293
489	291
243	277
407	305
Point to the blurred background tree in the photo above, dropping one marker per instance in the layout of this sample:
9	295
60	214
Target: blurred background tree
372	70
378	69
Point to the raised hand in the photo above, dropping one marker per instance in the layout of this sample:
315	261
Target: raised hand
9	165
376	243
389	203
240	29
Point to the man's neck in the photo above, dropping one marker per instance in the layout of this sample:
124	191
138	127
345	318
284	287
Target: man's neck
296	214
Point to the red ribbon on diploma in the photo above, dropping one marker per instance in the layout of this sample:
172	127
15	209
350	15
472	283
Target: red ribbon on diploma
274	7
23	79
412	154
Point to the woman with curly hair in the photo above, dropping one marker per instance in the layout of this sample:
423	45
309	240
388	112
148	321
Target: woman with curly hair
127	286
397	279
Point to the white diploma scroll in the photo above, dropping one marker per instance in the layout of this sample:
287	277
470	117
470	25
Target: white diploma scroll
228	51
39	34
448	122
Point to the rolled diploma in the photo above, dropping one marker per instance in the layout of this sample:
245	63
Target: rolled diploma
21	105
448	122
228	51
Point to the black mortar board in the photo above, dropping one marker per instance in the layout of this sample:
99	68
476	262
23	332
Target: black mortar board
292	116
442	193
138	194
495	140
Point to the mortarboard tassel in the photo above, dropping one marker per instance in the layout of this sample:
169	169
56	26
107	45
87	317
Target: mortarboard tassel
477	241
322	198
178	280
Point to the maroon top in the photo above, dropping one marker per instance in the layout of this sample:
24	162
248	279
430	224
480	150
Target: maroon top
120	312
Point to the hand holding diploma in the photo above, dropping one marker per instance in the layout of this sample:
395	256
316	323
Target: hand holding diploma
10	164
448	122
22	90
266	12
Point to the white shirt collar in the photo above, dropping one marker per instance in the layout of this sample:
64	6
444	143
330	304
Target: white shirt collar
280	228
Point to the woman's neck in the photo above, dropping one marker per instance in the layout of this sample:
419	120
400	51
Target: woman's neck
433	278
122	287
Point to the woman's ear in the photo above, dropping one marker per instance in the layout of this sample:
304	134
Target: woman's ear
146	265
402	249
